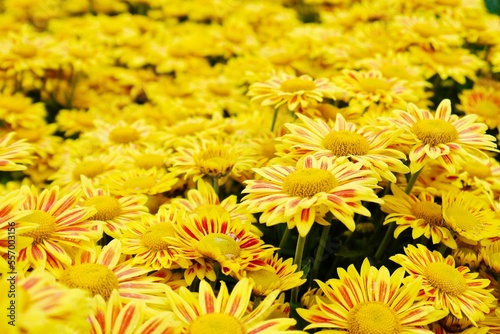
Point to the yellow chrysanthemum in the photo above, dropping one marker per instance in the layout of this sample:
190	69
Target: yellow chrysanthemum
206	313
303	194
443	137
480	176
44	306
450	288
19	111
14	154
422	214
366	145
491	256
291	90
371	301
467	255
139	181
116	316
483	102
471	217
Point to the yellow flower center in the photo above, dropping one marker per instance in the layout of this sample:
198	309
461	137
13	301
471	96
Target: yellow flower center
88	168
345	143
395	70
308	182
153	237
462	219
25	50
374	84
494	259
93	277
264	279
124	135
373	318
140	183
446	278
47	225
187	129
327	110
434	131
148	161
280	58
477	169
215	161
107	207
296	85
216	323
215	244
446	58
428	211
487	109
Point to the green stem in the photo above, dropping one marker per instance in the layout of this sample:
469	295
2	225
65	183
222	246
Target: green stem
319	253
215	184
256	301
284	238
299	252
275	115
442	249
411	181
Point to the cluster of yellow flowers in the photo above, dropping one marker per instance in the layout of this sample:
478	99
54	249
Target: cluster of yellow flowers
207	166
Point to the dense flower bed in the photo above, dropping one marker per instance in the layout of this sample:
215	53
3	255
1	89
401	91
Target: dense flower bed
222	166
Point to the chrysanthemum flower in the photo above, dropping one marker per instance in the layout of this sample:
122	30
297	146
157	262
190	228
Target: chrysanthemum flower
481	175
139	181
146	239
207	313
371	301
45	306
212	236
292	91
115	316
14	154
467	255
303	194
61	226
450	288
450	324
113	213
366	145
19	111
422	214
491	256
471	217
103	270
271	274
443	137
483	102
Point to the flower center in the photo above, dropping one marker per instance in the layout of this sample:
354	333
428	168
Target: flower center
268	148
139	183
308	182
463	219
215	161
446	278
153	237
446	58
264	279
216	323
477	169
345	143
373	318
434	131
215	244
25	50
93	277
124	135
89	168
374	84
428	211
487	109
296	85
107	207
148	161
494	258
47	225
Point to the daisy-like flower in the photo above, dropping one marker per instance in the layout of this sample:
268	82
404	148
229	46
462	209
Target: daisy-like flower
483	102
371	301
491	256
420	213
371	86
113	213
103	270
366	145
212	236
115	316
471	217
19	111
481	175
14	154
468	255
227	312
291	90
45	306
443	137
146	239
140	181
450	288
273	274
61	226
303	194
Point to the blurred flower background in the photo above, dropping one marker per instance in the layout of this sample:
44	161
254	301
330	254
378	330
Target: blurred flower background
263	166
